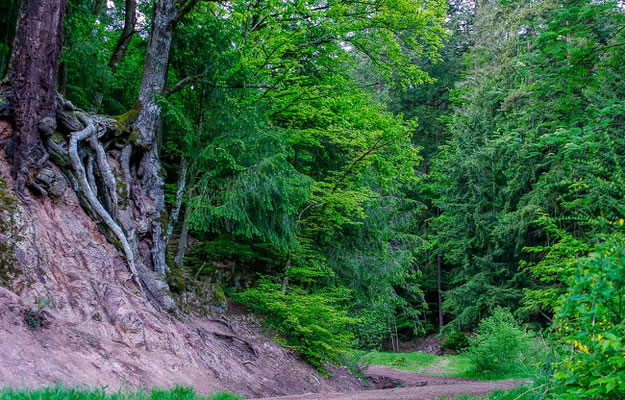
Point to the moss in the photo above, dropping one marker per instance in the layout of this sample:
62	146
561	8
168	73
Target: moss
176	280
164	220
219	294
8	269
122	192
124	121
58	138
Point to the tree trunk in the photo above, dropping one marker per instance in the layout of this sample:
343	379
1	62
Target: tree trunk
285	279
30	84
149	192
439	275
98	6
182	180
184	233
130	20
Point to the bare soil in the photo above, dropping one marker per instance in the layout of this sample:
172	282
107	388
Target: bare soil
414	387
93	327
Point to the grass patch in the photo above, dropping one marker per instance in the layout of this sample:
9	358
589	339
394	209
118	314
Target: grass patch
414	362
514	394
63	393
452	365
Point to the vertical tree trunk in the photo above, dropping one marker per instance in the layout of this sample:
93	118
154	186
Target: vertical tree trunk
130	20
30	84
182	180
439	275
285	279
98	6
149	192
184	233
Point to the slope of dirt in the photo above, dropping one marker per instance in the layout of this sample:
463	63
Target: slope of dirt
414	387
411	393
93	327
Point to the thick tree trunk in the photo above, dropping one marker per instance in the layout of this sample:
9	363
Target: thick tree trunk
130	20
30	84
149	192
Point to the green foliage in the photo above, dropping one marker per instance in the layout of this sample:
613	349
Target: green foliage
311	322
369	331
500	345
591	323
456	341
63	393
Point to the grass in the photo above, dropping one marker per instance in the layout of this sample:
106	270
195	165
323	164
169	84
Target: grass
429	364
64	393
514	394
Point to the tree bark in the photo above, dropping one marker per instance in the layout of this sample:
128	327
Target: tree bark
30	84
285	279
184	233
182	180
98	6
439	275
130	20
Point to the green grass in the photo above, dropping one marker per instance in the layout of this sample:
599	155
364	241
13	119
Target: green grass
514	394
64	393
429	364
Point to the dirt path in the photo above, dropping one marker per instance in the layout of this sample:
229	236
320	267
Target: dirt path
415	387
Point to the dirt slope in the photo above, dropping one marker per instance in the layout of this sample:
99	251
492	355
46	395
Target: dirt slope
98	330
415	387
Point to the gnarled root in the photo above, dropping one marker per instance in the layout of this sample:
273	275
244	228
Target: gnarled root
86	188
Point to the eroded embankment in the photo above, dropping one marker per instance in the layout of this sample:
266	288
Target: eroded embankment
70	314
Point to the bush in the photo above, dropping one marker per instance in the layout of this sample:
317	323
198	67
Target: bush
499	345
313	323
456	341
370	331
590	323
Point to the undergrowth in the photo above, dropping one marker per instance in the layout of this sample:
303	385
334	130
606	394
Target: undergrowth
64	393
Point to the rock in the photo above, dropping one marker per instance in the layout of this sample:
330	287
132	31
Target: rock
52	181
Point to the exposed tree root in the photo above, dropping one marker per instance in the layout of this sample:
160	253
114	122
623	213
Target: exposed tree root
89	189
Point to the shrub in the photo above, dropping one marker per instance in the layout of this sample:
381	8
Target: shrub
313	323
499	344
456	341
369	330
590	323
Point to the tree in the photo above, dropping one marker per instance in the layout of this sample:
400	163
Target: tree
28	92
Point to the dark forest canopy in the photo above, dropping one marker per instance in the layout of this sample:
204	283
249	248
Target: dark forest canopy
366	170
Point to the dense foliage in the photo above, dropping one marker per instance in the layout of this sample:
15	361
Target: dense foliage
500	344
591	323
363	172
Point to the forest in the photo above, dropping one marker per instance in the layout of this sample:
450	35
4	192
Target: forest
362	174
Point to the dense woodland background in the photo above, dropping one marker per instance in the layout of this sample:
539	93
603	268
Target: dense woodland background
368	172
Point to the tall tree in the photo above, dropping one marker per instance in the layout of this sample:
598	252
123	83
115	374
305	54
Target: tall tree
29	88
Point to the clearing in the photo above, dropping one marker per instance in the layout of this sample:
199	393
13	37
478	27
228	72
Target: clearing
415	387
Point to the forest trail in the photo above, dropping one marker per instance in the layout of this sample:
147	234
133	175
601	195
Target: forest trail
415	387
